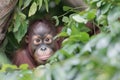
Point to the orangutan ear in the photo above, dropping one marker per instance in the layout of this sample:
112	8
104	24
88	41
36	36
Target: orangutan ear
26	39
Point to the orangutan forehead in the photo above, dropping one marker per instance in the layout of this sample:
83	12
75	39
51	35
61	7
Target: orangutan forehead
42	28
45	36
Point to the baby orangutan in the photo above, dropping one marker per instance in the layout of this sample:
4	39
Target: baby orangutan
40	45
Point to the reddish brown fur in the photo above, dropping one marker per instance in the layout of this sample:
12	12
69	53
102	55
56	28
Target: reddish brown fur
22	56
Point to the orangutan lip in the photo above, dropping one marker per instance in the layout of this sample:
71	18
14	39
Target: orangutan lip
44	57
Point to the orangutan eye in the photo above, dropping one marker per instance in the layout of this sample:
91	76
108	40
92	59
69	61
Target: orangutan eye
47	40
37	41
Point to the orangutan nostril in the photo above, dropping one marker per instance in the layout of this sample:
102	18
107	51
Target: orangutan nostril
43	48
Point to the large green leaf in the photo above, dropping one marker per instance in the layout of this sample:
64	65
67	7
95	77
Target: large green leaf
22	31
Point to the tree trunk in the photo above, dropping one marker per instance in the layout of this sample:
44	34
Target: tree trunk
6	9
77	3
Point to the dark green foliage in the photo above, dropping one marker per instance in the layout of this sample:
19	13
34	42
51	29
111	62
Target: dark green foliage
82	57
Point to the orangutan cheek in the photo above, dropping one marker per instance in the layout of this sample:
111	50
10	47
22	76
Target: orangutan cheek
31	47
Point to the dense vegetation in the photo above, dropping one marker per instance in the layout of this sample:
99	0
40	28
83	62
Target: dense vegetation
82	57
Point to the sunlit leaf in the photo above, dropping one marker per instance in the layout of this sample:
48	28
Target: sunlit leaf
33	9
7	66
79	19
23	66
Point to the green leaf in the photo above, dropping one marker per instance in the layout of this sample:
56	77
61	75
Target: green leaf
82	36
9	75
93	1
20	3
33	9
6	66
63	34
17	23
83	28
99	3
57	1
103	42
40	3
46	4
22	16
70	47
79	19
22	31
18	19
102	19
113	15
66	8
65	19
113	53
92	42
26	3
24	66
115	28
105	8
3	58
56	19
26	75
91	14
69	31
74	30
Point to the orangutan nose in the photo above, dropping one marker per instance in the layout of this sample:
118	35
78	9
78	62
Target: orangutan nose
43	48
